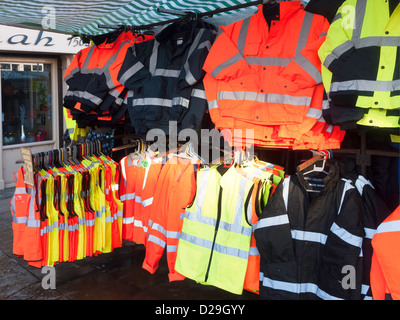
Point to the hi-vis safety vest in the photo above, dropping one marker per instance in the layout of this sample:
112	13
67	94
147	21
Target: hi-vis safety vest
266	76
385	267
215	239
360	68
26	220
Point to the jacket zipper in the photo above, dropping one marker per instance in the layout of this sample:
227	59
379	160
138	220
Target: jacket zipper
215	232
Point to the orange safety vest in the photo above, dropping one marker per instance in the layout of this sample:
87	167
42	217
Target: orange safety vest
256	76
137	187
175	190
385	264
26	220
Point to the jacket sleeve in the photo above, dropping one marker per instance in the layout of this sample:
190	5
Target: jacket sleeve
341	260
338	47
305	69
192	71
224	61
133	72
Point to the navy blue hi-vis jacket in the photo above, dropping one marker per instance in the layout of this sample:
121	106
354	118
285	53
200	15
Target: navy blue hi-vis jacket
164	76
310	242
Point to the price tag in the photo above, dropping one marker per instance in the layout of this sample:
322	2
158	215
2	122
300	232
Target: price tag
26	154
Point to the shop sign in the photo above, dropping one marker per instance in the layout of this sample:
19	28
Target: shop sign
22	39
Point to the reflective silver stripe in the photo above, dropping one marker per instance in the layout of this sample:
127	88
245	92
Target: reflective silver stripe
337	52
314	113
244	29
139	224
285	191
309	236
236	58
171	248
234	227
346	187
217	247
129	220
198	93
329	129
267	61
85	95
158	227
128	196
190	79
213	104
87	60
20	219
167	73
180	101
272	221
347	236
389	226
377	42
254	251
147	202
153	58
173	234
237	221
337	17
130	72
201	193
369	233
90	223
161	102
296	287
265	98
20	191
361	6
309	68
304	32
156	240
365	85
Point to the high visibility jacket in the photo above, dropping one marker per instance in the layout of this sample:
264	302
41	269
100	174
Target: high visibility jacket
305	241
26	220
92	75
177	176
215	240
164	77
266	75
360	65
385	268
138	182
375	211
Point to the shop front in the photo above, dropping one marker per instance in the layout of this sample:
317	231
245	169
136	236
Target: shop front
31	69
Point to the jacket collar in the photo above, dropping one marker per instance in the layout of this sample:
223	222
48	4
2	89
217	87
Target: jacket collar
185	29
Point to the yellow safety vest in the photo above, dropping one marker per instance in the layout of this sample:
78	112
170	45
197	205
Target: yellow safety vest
215	240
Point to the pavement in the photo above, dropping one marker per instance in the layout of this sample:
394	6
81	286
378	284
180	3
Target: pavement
112	276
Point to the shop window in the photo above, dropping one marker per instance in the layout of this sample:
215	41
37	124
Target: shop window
26	100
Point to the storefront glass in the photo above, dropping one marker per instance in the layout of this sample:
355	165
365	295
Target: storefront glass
26	97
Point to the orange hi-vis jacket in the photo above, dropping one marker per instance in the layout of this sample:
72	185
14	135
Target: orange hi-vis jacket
266	75
138	181
385	264
175	190
26	220
92	77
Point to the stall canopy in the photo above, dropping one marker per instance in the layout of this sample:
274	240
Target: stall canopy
84	17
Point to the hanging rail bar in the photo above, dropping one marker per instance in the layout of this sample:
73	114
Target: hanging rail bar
184	14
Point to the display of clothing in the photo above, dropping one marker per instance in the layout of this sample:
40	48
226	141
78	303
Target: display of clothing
263	73
72	212
164	76
360	68
94	95
286	77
